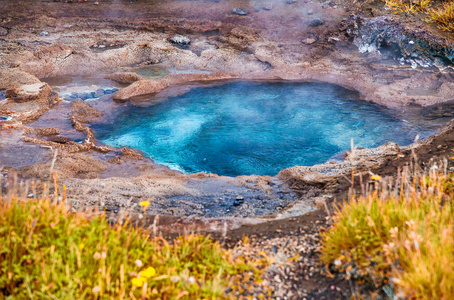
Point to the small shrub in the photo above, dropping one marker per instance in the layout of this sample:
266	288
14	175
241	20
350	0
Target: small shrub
48	253
403	234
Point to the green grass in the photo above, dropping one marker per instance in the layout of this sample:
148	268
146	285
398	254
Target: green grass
399	237
48	253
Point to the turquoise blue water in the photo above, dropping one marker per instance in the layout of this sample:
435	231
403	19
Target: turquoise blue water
244	128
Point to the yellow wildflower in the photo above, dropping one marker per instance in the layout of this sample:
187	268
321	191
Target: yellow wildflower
138	281
148	272
375	177
144	203
81	246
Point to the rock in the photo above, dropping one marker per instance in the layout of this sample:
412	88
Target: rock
316	22
3	31
240	12
115	209
122	77
268	7
83	111
325	175
10	78
290	1
309	41
48	131
156	85
180	40
310	12
29	92
130	153
396	41
58	139
44	33
238	201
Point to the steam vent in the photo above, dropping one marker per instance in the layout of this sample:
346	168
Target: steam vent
240	149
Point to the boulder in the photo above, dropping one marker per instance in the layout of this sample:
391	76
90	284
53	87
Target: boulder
180	40
316	22
29	92
61	139
325	176
156	85
3	31
10	78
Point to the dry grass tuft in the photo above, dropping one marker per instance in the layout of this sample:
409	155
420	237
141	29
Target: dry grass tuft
398	238
408	6
444	16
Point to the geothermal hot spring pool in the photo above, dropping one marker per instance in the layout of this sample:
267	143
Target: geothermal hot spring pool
244	128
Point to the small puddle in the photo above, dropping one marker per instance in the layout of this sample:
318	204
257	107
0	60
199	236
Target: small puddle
85	88
5	118
152	71
245	128
3	99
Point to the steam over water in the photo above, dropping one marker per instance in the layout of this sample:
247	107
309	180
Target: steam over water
247	128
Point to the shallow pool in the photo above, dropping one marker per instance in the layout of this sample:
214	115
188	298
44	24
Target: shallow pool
244	128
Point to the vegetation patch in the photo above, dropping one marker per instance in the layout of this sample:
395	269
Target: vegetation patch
443	16
47	252
438	12
398	238
408	6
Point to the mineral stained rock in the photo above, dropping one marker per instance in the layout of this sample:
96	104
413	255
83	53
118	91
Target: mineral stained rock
240	12
180	40
29	92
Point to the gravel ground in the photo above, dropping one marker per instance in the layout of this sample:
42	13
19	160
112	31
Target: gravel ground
296	272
